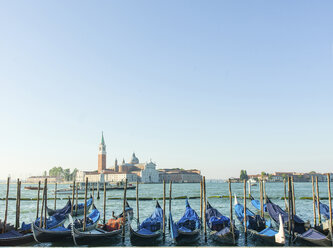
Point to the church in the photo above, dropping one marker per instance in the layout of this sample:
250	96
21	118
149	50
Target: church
132	171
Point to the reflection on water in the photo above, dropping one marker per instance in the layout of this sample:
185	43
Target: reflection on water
273	190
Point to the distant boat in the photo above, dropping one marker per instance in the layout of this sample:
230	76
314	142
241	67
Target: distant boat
33	188
252	182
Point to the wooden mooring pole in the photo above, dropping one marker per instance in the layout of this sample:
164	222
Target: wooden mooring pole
137	203
201	201
245	219
231	214
76	201
314	203
17	203
73	195
38	193
6	207
55	196
289	208
330	204
293	194
42	209
124	212
205	207
85	206
98	185
261	198
285	194
45	203
170	197
163	209
104	203
318	199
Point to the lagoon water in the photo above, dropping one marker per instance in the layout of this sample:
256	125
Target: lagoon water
274	190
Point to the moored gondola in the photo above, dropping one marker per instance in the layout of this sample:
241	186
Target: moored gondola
259	229
187	229
14	237
304	233
150	230
62	232
67	208
220	228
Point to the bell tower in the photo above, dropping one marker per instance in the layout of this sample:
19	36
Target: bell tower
102	155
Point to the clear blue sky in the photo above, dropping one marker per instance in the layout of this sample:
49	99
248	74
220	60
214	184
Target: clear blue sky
215	85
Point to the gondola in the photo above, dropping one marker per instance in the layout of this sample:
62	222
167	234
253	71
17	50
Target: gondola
62	232
256	203
187	229
51	222
259	229
14	237
325	212
220	229
67	208
106	233
150	230
304	233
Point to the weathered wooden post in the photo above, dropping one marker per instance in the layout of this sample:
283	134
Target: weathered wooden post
163	209
201	201
43	203
330	204
18	211
264	191
77	199
85	206
285	194
73	195
93	193
261	198
205	207
318	199
289	207
98	185
55	196
137	202
45	207
104	202
124	212
170	197
6	209
37	212
249	189
293	194
245	220
231	214
17	203
314	203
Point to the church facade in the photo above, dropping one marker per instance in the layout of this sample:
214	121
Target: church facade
132	171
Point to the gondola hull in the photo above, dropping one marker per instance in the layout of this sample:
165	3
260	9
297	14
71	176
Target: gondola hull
145	238
227	238
262	239
188	237
95	235
18	240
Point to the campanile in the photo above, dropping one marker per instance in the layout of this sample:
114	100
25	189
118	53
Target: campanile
101	155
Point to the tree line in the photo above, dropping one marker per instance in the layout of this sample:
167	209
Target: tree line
64	174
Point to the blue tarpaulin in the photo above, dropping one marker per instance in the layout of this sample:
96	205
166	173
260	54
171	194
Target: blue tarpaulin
154	222
256	203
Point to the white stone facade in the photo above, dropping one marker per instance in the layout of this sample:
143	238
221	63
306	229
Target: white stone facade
149	174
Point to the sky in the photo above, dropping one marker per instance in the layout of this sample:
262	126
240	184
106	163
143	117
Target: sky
219	86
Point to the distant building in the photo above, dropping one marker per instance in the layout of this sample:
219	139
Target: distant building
36	179
132	171
180	175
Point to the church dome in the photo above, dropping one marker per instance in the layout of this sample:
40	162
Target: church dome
134	159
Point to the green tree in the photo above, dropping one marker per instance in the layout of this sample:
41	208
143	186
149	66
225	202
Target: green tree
56	172
243	175
263	173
